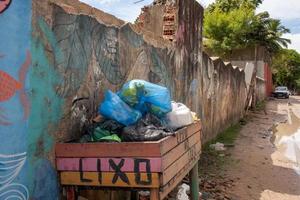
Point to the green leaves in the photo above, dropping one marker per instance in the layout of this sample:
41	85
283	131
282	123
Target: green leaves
230	5
286	68
225	31
233	24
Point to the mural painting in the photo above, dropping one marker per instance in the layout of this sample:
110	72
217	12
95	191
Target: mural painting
11	165
15	62
4	4
9	87
52	79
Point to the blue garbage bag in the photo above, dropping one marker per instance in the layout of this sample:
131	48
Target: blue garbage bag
114	108
146	97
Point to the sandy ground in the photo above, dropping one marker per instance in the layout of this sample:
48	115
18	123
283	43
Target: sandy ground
265	161
266	169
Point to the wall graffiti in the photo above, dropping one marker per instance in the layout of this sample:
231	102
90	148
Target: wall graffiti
74	59
9	87
140	176
110	171
80	37
4	4
15	62
10	167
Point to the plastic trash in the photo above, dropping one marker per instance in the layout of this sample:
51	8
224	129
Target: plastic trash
218	146
146	97
106	130
114	108
144	195
179	117
110	138
99	133
149	128
183	191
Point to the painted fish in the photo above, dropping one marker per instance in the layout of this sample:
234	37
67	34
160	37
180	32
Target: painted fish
4	4
9	86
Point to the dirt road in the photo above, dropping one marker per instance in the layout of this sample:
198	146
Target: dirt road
265	161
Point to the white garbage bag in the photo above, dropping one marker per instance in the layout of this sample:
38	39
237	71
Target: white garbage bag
183	190
180	116
218	146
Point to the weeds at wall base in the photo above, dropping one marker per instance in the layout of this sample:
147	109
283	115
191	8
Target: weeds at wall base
212	163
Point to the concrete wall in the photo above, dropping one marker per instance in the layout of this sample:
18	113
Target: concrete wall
243	58
223	94
243	64
261	89
264	76
263	80
59	58
249	54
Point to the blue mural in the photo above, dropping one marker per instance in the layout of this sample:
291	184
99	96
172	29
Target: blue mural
15	61
26	80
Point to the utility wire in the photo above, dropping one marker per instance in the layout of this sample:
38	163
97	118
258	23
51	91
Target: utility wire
139	1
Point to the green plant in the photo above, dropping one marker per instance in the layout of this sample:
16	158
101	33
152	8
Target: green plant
286	69
233	24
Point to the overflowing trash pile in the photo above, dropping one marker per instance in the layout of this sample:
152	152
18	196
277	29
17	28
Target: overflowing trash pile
140	111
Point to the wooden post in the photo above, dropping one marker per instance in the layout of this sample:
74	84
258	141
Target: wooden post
71	193
194	182
154	194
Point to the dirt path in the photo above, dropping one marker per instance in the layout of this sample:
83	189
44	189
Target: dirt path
265	161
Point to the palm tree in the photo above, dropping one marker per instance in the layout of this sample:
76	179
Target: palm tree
267	32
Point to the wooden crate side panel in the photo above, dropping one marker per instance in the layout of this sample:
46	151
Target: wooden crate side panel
90	150
189	157
179	150
110	179
170	142
166	189
109	164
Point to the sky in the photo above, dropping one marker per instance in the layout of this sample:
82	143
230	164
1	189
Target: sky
288	11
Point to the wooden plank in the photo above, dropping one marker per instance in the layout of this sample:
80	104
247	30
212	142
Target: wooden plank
188	158
110	179
179	150
125	149
154	194
107	164
169	143
91	150
166	189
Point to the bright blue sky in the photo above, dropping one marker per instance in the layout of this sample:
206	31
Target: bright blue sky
288	11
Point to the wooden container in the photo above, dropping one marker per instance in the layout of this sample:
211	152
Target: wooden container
158	166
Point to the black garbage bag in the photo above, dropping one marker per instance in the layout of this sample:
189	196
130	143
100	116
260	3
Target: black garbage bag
107	130
108	125
149	128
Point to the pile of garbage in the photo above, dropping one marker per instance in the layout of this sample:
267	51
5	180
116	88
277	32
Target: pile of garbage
140	111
